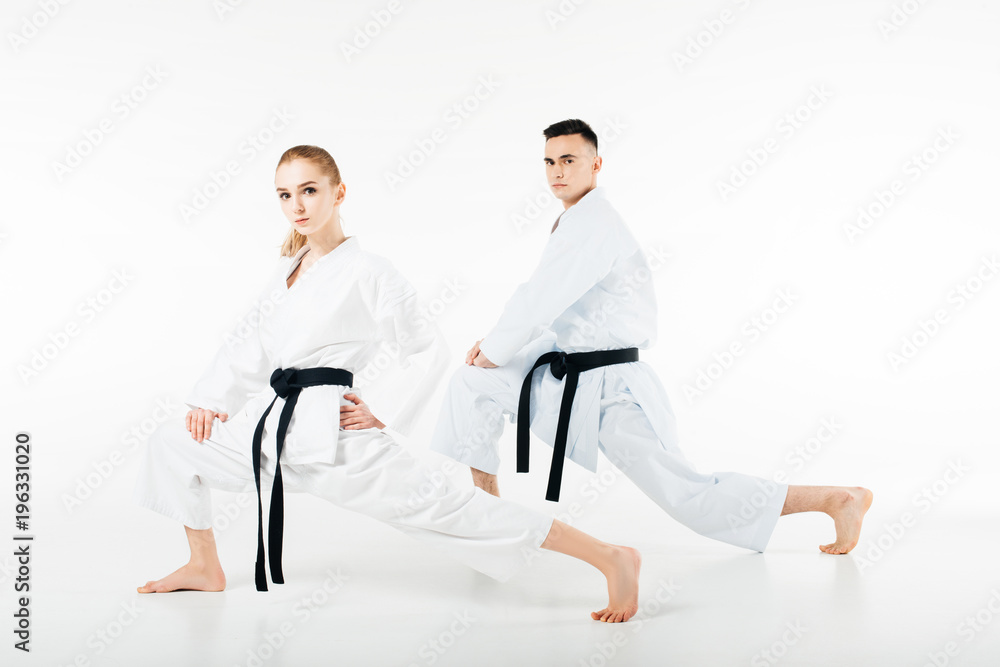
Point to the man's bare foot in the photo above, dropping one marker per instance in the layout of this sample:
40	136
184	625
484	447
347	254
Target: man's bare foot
623	587
188	578
485	481
848	511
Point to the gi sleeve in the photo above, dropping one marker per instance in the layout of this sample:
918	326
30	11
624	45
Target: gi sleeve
239	370
411	363
577	256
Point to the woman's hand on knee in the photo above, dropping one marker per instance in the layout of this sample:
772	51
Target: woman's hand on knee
199	422
357	416
473	352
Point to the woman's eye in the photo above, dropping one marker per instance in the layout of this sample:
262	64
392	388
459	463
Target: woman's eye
312	189
282	195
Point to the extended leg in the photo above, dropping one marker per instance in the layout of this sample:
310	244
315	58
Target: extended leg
375	476
846	505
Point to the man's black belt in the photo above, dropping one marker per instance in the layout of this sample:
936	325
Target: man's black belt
568	365
287	383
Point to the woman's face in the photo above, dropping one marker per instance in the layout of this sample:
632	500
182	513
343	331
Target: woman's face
308	200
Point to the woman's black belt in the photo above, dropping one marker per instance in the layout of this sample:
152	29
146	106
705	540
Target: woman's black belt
568	365
287	383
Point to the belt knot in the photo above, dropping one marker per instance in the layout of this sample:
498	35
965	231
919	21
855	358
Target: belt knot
558	365
280	380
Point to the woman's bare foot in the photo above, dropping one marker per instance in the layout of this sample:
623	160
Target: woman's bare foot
623	586
188	577
848	509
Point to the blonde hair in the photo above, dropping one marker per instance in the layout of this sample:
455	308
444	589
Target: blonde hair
322	159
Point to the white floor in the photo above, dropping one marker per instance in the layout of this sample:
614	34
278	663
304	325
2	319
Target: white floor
396	602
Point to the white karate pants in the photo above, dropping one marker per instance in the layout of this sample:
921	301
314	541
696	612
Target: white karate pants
730	507
371	474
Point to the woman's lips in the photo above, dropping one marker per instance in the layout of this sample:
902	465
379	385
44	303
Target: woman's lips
301	221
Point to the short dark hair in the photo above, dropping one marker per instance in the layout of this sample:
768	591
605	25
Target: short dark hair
571	126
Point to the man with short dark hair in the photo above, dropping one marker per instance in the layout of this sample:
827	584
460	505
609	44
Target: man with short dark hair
565	351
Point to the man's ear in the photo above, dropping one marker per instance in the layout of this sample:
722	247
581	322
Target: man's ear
598	161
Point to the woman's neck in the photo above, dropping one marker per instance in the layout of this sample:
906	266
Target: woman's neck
320	243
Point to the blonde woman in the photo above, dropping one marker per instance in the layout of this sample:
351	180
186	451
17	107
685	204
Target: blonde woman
272	393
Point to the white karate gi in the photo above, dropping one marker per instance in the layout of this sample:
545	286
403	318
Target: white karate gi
351	309
593	290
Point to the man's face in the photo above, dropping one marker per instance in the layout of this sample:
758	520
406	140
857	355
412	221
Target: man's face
571	167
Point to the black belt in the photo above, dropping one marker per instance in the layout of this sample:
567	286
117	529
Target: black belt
287	383
569	365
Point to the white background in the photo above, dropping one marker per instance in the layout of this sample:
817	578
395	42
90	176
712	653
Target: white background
475	212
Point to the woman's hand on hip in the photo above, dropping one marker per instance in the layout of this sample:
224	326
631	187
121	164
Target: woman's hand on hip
357	416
